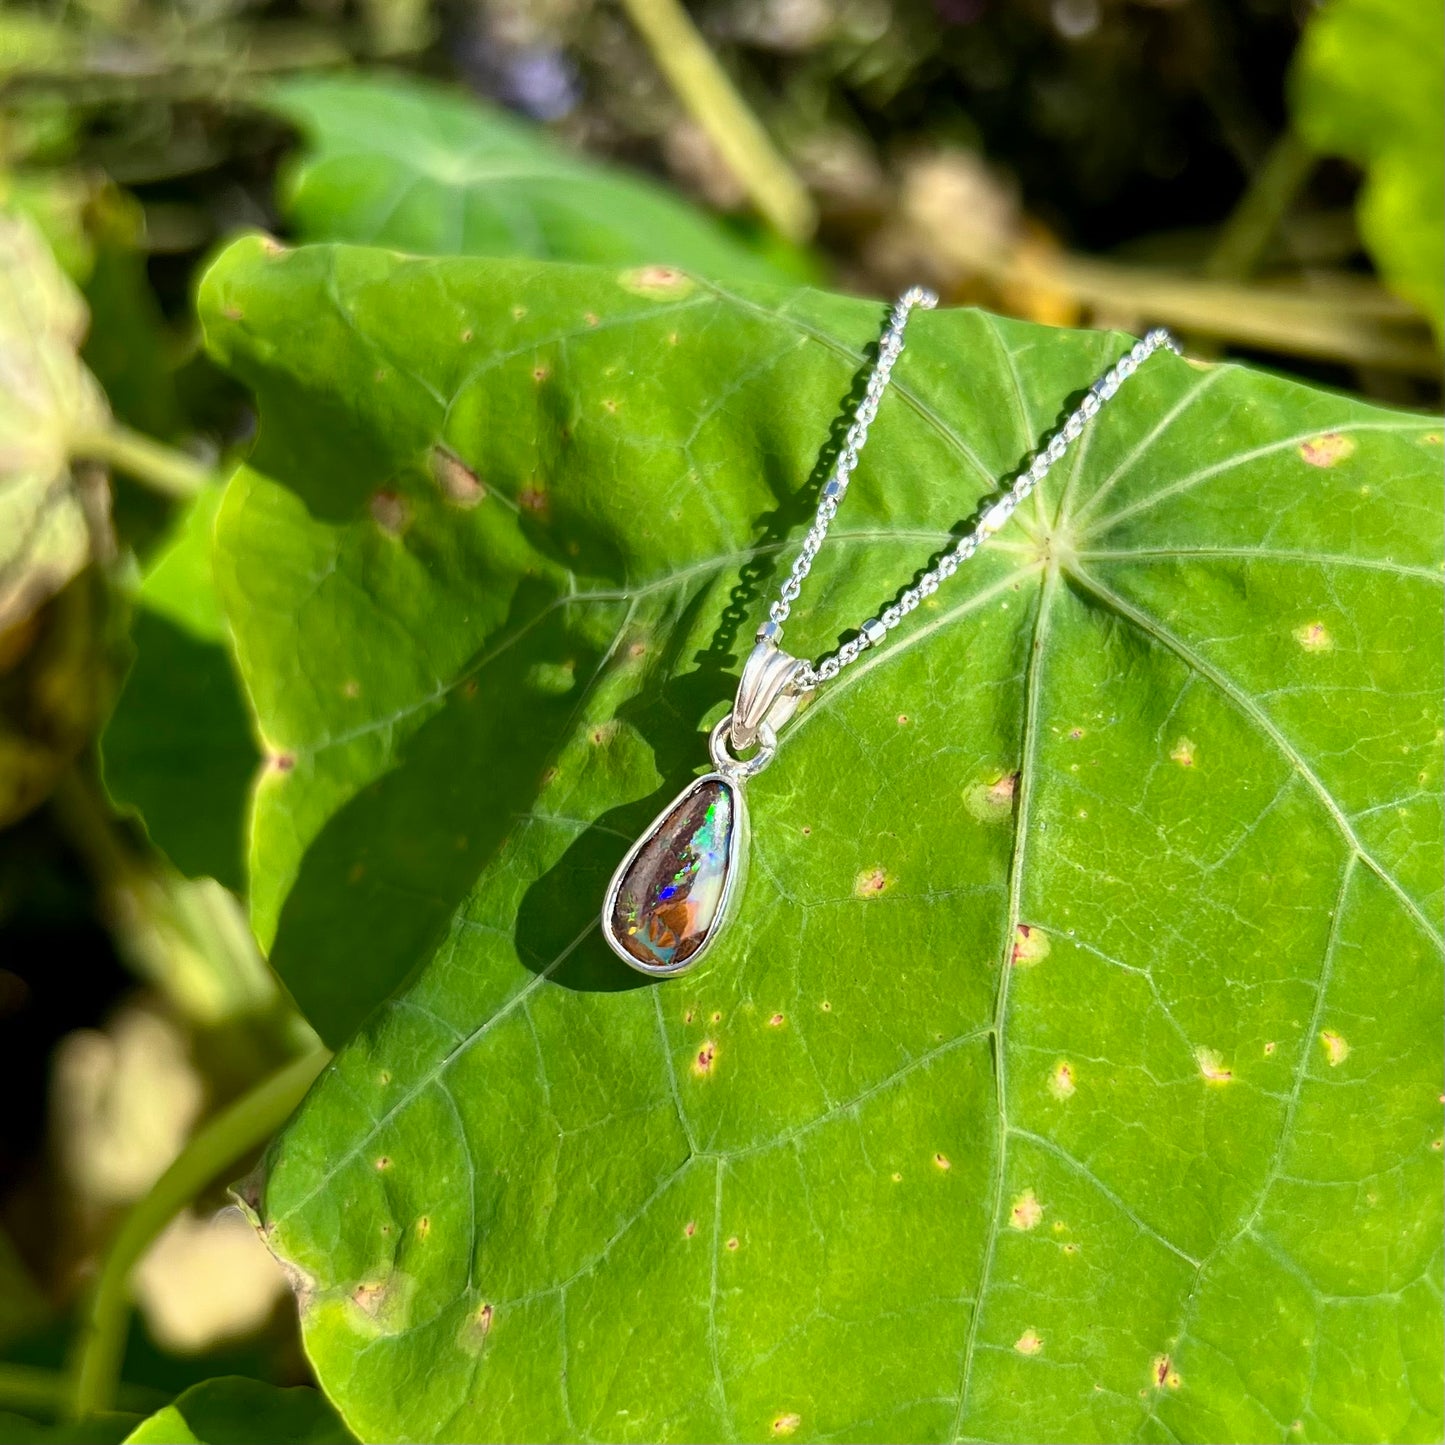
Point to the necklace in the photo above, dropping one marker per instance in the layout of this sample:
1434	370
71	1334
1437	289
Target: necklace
672	895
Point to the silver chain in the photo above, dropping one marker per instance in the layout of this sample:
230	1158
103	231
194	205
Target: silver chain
875	629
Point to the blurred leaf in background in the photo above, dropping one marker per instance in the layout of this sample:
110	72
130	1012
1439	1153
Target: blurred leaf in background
1369	83
178	748
238	1411
399	163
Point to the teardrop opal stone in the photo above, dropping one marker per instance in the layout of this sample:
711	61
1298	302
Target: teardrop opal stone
670	898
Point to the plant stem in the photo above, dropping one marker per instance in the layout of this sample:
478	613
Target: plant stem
218	1145
162	468
1261	210
713	101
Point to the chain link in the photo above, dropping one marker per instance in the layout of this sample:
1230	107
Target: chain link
875	629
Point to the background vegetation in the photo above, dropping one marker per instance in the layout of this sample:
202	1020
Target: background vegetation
1266	180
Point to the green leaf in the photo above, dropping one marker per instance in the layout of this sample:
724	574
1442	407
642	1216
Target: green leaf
1369	83
47	401
178	748
1072	1069
54	632
237	1411
402	163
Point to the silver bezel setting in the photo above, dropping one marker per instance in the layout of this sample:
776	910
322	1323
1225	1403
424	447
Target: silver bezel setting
732	882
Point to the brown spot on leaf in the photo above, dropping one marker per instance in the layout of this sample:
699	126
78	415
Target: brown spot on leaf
942	1161
656	281
1165	1375
1025	1212
533	498
1212	1067
1327	450
1031	946
690	1228
706	1058
1029	1343
1061	1080
991	799
870	883
281	762
390	511
466	334
1269	1048
786	1424
776	1021
484	1319
423	1226
368	1297
540	373
459	483
733	1242
384	1162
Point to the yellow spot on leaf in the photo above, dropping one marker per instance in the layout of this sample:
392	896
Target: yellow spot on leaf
1327	450
786	1424
656	281
1029	1343
1313	637
1336	1049
1183	752
991	799
1212	1067
870	883
1061	1080
1025	1212
1031	945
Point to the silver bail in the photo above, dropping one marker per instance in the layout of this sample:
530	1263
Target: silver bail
767	694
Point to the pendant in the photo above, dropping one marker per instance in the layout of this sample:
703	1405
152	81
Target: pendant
673	894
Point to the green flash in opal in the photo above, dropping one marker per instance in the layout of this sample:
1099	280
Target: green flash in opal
670	898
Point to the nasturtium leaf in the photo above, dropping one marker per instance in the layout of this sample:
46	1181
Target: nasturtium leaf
178	748
401	162
1369	84
233	1410
1072	1069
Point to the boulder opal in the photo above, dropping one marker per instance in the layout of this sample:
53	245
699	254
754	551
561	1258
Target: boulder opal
670	898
